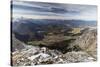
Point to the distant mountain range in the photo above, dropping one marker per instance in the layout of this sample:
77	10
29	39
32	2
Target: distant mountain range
26	28
73	23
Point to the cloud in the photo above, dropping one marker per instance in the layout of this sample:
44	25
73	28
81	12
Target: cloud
54	10
41	8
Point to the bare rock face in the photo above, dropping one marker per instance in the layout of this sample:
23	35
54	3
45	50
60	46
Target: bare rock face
87	41
16	44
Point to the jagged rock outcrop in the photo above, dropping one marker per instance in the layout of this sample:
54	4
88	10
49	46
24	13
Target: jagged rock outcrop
87	41
33	55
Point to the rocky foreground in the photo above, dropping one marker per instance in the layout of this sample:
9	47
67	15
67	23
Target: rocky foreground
27	55
33	55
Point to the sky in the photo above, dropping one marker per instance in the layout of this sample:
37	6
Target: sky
40	10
